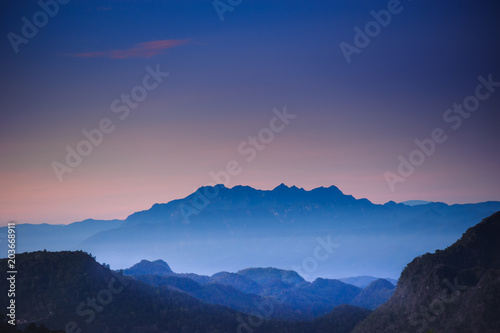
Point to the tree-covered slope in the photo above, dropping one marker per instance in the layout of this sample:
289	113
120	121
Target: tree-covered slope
454	290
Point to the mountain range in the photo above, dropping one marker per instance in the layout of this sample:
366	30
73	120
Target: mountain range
288	293
452	290
70	291
218	228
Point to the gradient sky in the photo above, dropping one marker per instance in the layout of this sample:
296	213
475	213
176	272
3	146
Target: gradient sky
353	120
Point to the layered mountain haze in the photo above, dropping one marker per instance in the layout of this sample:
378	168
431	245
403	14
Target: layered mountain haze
317	233
290	296
71	291
58	237
451	290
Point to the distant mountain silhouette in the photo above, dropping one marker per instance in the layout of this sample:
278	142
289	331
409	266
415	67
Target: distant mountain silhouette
276	228
453	290
416	202
237	281
375	294
146	267
364	281
268	276
57	237
341	319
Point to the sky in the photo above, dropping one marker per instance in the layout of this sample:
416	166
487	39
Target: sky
174	94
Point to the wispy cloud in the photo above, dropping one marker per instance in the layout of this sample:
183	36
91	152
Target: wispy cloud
142	50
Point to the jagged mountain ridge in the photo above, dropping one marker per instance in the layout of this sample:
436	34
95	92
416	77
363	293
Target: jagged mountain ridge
241	224
272	228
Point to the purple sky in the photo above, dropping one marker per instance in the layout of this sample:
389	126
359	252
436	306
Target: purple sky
225	78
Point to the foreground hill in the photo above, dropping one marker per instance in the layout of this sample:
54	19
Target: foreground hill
341	319
454	290
71	291
5	327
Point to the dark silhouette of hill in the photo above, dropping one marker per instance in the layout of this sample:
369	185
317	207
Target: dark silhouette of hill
451	290
341	319
375	294
5	327
71	291
57	288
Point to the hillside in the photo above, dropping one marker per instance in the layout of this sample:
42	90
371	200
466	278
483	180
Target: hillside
70	288
342	319
453	290
71	291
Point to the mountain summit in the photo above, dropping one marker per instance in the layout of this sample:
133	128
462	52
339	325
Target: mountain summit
145	267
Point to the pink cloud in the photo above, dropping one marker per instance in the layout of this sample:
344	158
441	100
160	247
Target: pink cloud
142	50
